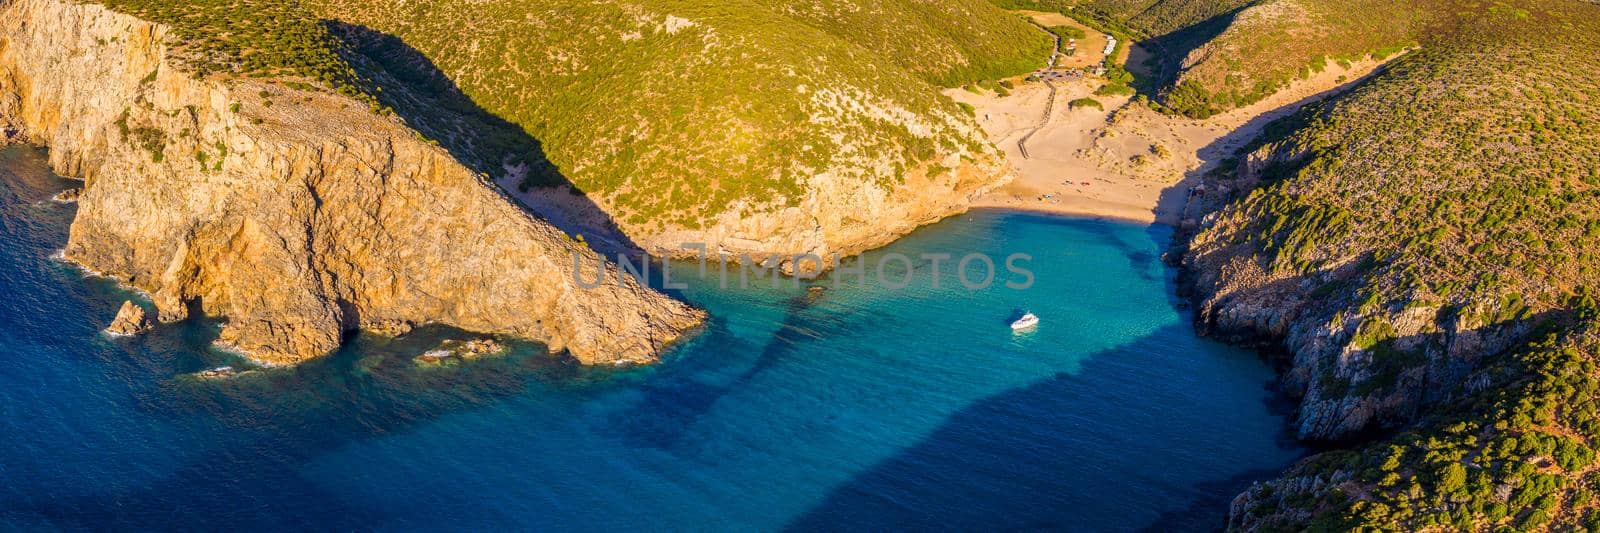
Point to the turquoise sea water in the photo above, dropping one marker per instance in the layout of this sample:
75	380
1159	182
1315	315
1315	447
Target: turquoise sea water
863	408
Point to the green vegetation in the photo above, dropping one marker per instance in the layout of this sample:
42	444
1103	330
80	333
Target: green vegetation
1139	19
669	111
1458	192
1454	195
273	39
1086	102
1119	82
1067	32
1271	44
1245	50
150	139
946	42
1504	188
1517	455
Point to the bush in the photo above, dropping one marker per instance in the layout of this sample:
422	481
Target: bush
1067	32
1114	89
1086	103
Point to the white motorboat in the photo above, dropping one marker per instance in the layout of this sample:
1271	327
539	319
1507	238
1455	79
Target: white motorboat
1027	321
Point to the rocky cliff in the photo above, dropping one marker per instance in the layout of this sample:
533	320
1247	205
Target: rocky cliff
1421	251
295	213
1387	271
1354	365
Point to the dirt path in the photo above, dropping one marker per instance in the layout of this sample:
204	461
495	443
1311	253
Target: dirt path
1040	20
1049	110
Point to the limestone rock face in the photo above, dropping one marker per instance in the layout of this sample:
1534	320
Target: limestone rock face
296	220
130	320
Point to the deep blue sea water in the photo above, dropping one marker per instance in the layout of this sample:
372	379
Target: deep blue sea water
864	408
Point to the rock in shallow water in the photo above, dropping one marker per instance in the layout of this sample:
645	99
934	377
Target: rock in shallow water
221	373
454	351
68	196
131	320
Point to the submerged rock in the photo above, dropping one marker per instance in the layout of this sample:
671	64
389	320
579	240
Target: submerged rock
220	373
131	320
435	357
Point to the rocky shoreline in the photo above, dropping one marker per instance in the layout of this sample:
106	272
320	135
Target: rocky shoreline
297	215
1241	300
1310	327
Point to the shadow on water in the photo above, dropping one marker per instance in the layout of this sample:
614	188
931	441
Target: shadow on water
236	435
1203	513
260	429
262	426
670	408
430	102
929	485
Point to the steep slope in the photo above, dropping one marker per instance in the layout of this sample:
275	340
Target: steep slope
1266	46
295	213
1422	249
753	126
1423	218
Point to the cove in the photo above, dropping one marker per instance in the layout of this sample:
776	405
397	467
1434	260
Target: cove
859	408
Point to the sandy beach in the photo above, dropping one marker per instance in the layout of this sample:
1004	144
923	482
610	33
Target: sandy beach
1125	161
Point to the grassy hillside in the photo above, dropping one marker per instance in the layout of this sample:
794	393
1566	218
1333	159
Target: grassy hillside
1468	171
1454	197
1263	48
1217	55
948	43
276	39
674	111
1137	18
